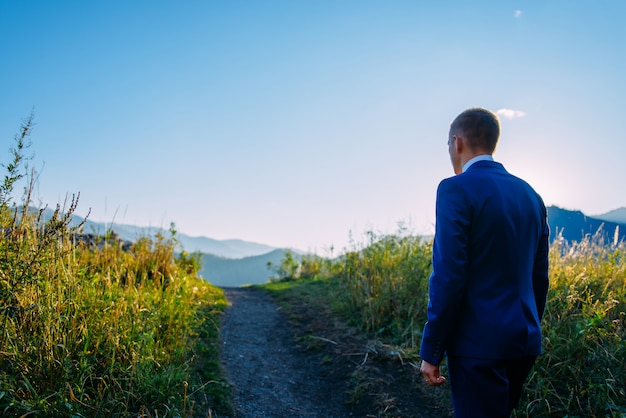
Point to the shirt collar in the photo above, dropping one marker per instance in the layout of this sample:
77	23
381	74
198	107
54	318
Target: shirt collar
484	157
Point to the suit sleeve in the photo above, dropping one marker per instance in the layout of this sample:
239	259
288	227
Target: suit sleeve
449	277
540	269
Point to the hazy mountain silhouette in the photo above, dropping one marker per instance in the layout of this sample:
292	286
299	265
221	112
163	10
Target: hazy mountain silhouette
225	263
617	215
573	225
230	248
228	272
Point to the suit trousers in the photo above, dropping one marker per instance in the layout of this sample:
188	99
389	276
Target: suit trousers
487	388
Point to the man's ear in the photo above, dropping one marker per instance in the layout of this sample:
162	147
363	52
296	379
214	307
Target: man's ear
459	144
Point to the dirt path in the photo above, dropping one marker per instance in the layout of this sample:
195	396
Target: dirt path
272	377
305	363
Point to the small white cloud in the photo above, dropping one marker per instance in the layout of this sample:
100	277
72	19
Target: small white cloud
510	113
518	13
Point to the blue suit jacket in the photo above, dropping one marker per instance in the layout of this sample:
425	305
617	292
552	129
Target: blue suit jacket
490	267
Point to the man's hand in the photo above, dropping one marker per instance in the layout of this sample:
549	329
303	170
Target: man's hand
431	374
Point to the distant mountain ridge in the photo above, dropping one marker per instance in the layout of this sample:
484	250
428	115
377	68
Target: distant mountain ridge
228	272
229	248
225	263
617	216
573	225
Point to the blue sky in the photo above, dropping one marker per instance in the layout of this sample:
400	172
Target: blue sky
301	123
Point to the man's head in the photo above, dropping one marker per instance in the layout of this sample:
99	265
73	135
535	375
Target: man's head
474	132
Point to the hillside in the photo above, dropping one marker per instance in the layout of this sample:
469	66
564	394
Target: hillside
226	272
225	263
616	215
230	248
574	225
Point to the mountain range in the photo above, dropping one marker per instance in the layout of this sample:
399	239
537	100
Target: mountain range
229	272
225	263
236	262
573	225
228	248
617	216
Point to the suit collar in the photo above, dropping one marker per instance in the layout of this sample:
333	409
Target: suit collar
483	157
485	163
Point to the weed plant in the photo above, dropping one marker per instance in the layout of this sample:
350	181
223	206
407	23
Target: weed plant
383	287
96	330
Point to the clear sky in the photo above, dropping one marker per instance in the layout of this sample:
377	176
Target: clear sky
301	123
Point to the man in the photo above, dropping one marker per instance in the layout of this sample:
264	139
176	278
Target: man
490	275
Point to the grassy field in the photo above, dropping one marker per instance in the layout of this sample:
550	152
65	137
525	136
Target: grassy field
381	288
95	328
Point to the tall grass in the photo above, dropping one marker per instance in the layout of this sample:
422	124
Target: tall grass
97	330
385	281
582	372
384	286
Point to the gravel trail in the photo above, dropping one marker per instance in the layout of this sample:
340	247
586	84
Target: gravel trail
271	375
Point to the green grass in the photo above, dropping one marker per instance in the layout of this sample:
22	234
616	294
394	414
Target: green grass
382	288
582	372
98	330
